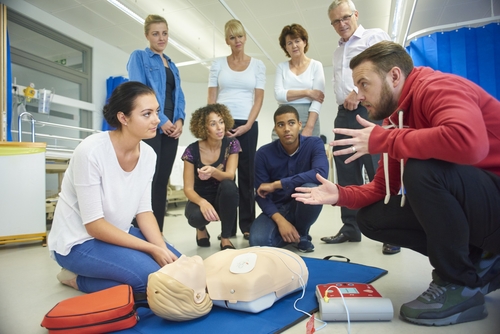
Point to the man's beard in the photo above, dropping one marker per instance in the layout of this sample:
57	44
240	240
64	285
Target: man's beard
386	105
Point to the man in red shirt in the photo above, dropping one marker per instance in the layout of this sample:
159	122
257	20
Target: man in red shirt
440	142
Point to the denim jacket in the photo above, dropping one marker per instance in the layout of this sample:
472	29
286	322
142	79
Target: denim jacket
147	67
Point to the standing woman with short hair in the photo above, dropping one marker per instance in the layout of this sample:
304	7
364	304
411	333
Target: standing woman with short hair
156	70
300	81
238	82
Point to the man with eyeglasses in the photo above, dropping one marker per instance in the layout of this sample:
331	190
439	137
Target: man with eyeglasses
353	40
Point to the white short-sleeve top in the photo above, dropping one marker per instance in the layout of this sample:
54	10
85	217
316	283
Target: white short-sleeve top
236	88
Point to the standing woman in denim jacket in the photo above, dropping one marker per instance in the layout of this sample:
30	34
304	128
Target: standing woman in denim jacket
155	69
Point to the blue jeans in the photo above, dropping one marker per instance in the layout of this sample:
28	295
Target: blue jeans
265	232
100	265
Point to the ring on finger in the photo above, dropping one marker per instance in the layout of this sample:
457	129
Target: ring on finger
353	148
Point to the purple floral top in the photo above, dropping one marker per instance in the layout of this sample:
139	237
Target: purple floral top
192	155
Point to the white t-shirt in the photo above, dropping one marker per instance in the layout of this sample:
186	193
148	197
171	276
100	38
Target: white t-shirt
95	186
236	88
312	78
361	40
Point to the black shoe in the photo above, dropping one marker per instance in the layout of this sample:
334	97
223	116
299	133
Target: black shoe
203	242
488	268
389	249
339	238
232	236
226	247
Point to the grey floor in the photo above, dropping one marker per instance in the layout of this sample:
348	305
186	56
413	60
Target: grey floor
29	288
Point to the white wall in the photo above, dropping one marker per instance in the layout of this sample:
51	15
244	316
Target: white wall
110	61
107	61
196	97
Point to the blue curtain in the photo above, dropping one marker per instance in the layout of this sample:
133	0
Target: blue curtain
473	53
111	84
9	92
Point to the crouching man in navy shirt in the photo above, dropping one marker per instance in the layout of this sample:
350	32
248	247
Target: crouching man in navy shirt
280	166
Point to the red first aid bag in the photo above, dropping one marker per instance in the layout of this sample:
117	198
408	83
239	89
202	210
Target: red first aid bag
98	312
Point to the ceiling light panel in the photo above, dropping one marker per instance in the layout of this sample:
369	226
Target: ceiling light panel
187	24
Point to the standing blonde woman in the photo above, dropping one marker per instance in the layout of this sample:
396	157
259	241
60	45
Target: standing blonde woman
300	81
238	82
156	70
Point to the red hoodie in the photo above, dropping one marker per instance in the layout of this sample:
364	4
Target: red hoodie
445	117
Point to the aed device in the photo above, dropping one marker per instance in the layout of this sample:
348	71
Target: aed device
363	302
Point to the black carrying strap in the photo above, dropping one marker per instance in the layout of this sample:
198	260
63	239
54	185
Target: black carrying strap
140	296
141	300
337	256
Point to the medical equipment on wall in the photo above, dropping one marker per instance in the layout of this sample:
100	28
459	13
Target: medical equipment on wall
29	92
43	95
44	99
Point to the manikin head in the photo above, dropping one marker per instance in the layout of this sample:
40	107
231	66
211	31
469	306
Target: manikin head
177	291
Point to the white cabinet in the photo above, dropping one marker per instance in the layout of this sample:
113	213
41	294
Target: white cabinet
22	192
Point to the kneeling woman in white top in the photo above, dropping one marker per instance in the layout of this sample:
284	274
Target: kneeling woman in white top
106	185
300	81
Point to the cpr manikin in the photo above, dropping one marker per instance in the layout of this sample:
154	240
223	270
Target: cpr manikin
177	291
252	279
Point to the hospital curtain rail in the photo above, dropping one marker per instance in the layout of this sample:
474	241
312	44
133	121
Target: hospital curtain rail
473	53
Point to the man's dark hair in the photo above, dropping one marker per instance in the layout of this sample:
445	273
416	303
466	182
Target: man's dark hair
385	55
286	109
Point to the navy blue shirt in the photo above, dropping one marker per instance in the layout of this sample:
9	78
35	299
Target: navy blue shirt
273	163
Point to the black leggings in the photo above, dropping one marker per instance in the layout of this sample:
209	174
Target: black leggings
225	202
165	148
452	214
246	176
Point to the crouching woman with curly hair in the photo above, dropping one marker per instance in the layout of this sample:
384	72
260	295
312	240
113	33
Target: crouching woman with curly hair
209	170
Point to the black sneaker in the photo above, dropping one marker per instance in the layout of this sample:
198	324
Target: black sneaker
488	268
305	245
445	304
389	249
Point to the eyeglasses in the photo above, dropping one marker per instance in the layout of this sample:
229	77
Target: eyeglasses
345	18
